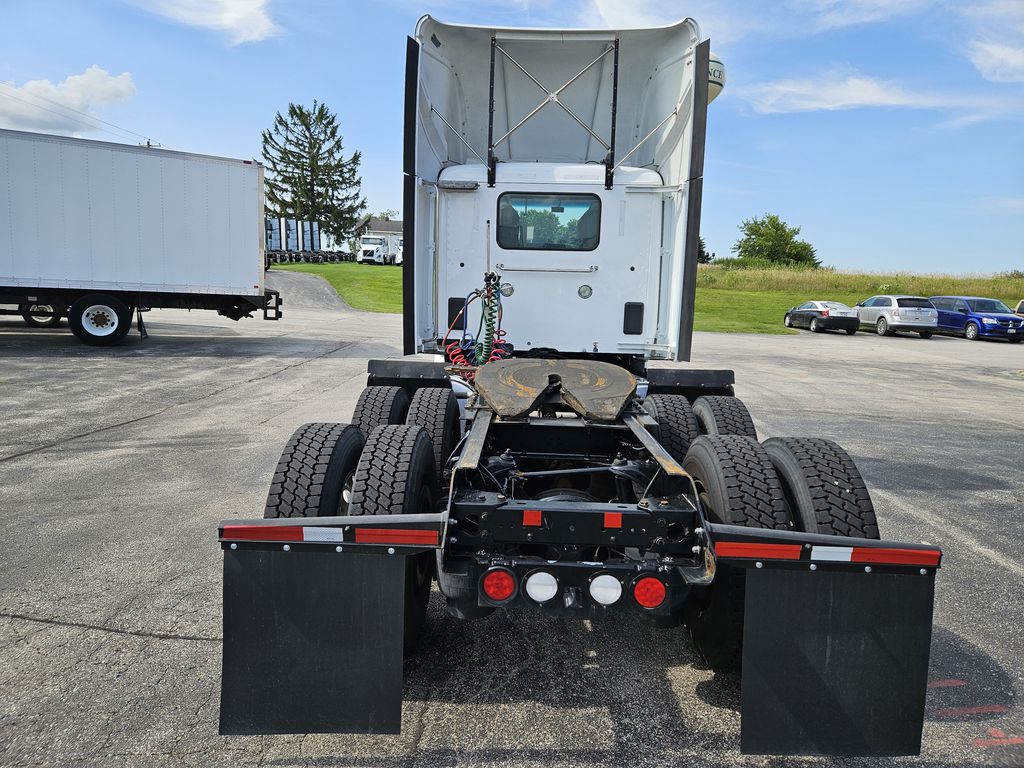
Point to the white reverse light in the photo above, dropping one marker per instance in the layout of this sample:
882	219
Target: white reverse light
541	586
605	589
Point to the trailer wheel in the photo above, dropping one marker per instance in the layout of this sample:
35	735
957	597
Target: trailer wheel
377	406
436	409
737	486
723	415
396	476
40	321
100	319
822	487
314	476
677	424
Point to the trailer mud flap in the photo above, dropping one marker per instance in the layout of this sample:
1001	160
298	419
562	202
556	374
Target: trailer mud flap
312	641
835	662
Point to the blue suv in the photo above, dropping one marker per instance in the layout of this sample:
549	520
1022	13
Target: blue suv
977	318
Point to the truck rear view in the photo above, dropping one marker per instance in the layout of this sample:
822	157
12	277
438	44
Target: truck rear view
533	459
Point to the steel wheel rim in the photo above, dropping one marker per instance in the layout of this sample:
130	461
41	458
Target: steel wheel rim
100	320
345	498
40	308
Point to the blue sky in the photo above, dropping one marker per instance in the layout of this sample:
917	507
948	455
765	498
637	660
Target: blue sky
891	131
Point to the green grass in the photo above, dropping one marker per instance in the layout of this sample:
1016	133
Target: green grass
755	300
372	288
728	300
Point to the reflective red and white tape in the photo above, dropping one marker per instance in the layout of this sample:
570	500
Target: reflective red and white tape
748	550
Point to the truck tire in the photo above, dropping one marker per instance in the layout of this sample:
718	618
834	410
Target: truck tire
824	492
396	476
436	409
314	476
100	319
35	321
737	486
458	584
677	424
378	406
723	415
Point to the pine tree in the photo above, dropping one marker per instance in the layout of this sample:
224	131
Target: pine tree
703	257
308	177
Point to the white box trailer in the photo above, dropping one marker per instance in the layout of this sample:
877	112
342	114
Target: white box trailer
98	231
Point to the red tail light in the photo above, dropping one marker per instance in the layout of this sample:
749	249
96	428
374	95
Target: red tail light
824	313
499	584
649	592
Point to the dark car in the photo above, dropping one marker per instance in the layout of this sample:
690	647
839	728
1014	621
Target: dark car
974	317
823	316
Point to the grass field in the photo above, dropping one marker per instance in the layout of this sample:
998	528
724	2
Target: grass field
728	300
372	288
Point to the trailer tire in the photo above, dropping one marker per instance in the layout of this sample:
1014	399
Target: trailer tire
677	425
822	487
315	473
396	476
35	321
737	486
378	406
436	409
723	415
100	319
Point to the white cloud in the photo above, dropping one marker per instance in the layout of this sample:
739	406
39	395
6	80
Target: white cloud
67	107
998	62
996	29
835	14
838	90
243	21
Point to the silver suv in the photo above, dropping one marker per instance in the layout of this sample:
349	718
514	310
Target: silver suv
888	314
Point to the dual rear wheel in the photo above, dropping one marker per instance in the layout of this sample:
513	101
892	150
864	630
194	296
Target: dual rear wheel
807	484
380	465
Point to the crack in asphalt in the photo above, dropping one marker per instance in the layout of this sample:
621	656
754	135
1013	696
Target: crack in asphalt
111	630
167	408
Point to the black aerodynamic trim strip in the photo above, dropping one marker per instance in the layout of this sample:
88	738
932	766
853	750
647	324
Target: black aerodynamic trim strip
696	184
412	61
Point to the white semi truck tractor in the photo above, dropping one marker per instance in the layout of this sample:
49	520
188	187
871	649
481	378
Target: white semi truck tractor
529	453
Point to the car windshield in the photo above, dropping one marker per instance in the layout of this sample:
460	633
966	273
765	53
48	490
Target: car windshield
834	305
373	241
915	302
989	305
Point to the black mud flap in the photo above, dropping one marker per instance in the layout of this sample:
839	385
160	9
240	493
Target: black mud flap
835	662
312	641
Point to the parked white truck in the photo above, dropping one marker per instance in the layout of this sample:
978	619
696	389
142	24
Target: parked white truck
380	248
99	232
527	455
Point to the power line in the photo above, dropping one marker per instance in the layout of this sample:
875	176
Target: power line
91	119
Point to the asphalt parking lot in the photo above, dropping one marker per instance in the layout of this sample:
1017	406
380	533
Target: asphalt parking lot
116	466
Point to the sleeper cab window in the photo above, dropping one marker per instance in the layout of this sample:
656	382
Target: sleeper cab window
530	221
